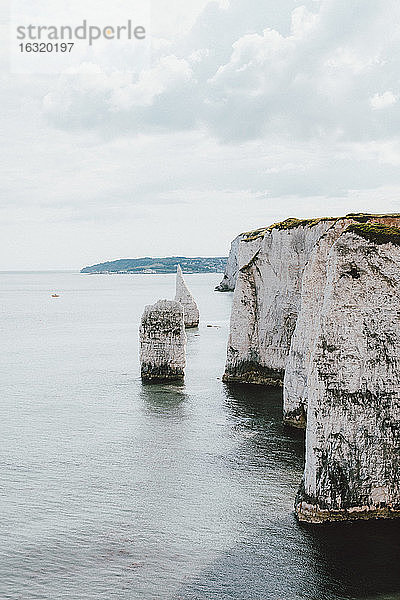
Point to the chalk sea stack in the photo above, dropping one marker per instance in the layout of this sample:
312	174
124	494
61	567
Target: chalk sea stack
162	342
185	298
353	380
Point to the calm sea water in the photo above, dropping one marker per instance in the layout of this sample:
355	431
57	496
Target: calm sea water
114	490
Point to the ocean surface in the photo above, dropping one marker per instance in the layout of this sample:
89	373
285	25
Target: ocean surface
118	491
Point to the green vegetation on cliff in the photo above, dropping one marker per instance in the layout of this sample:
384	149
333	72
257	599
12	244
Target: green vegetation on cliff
292	223
376	232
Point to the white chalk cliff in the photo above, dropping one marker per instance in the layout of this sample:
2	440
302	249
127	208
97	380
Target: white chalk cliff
231	270
317	303
162	342
313	284
353	380
185	298
267	299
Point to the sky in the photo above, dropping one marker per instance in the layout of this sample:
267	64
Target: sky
237	114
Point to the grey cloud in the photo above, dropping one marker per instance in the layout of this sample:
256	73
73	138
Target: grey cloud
313	83
301	72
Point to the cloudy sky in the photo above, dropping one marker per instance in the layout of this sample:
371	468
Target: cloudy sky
244	112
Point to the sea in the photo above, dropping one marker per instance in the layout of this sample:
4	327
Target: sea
115	490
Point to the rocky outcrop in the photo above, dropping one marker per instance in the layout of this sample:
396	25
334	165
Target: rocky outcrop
295	389
353	380
185	298
267	299
231	270
162	342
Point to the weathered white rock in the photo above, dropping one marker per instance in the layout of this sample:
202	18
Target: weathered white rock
313	285
162	342
295	387
184	297
353	421
267	299
231	270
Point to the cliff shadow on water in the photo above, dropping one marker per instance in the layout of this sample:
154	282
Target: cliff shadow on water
285	561
259	410
276	557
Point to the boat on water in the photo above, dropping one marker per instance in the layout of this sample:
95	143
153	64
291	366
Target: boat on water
55	296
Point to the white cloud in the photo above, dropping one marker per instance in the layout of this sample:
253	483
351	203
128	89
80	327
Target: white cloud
169	72
303	22
116	102
383	100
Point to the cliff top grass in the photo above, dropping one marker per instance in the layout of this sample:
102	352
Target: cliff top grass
292	223
376	232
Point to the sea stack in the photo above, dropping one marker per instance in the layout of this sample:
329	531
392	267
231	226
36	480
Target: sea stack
185	298
162	342
353	382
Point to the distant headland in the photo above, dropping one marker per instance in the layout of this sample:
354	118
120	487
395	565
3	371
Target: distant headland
168	264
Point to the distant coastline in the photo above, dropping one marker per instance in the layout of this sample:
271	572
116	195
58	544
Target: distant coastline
148	265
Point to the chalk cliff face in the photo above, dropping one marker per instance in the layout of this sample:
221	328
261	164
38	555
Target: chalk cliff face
184	297
231	270
267	299
318	300
353	379
162	342
313	284
295	387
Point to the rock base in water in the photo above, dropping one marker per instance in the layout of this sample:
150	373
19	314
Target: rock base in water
162	342
296	418
309	511
247	372
312	513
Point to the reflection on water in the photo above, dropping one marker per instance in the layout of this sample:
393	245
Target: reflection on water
115	490
165	400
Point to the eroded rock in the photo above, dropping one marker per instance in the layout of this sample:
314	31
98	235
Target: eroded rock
162	342
267	300
231	270
185	298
